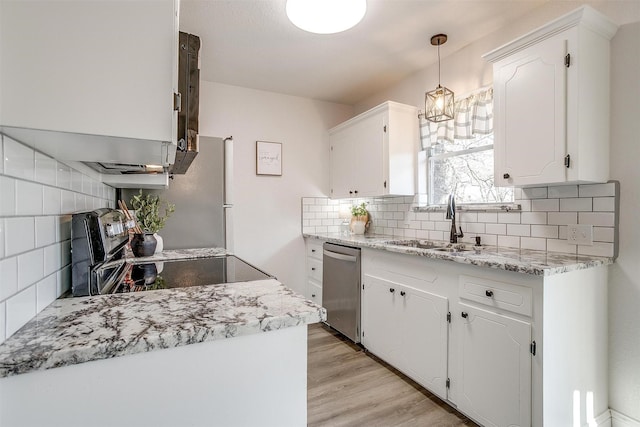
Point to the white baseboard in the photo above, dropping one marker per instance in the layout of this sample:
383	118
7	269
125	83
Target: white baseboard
621	420
604	419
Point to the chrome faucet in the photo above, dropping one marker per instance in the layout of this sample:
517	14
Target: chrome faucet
451	214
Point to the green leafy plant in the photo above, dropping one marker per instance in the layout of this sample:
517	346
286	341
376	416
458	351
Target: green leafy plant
148	211
359	210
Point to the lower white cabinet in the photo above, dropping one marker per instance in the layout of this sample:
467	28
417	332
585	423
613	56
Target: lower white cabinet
407	327
474	336
494	367
314	270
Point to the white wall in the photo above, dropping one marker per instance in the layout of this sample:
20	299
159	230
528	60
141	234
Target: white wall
465	70
267	209
624	275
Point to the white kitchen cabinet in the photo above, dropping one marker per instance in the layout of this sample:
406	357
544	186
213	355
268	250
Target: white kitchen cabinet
406	326
522	354
494	367
314	270
551	103
374	153
91	81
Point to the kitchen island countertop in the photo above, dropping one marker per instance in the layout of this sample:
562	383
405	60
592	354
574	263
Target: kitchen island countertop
538	263
78	330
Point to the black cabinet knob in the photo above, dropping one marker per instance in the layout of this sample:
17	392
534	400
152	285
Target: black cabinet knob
313	295
488	293
392	290
313	269
350	192
356	191
465	315
506	176
403	293
313	250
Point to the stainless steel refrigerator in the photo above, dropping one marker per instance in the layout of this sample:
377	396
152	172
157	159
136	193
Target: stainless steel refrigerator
203	198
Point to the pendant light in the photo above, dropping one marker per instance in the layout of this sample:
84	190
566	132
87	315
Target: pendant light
326	16
438	103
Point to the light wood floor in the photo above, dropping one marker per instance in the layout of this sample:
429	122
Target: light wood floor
347	386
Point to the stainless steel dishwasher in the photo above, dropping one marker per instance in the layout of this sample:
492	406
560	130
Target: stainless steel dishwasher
341	289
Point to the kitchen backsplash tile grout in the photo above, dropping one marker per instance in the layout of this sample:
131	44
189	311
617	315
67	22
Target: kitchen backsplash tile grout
38	194
541	224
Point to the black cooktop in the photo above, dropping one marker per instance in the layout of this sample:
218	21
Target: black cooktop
177	274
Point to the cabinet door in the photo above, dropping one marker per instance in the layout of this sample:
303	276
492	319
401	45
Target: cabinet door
379	318
494	372
368	156
530	111
424	329
342	163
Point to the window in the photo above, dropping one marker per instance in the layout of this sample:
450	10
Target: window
459	155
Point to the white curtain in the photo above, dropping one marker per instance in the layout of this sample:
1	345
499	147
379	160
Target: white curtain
473	115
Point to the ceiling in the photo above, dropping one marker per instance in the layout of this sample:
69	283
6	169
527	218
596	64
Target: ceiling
251	43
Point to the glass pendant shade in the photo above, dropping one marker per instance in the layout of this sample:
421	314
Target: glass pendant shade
325	16
438	104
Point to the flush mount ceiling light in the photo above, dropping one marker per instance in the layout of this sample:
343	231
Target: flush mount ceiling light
325	16
438	103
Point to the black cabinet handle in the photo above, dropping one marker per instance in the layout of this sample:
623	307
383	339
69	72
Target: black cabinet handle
313	269
488	293
506	176
403	293
392	290
313	250
465	315
313	295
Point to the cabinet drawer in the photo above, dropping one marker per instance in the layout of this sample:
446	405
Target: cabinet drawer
506	296
314	250
314	292
314	269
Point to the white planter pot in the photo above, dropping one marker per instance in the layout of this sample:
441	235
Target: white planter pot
359	227
160	245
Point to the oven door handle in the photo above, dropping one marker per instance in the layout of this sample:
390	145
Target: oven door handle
341	257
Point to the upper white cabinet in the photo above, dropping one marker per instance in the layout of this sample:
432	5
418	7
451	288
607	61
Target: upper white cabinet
374	153
551	102
103	70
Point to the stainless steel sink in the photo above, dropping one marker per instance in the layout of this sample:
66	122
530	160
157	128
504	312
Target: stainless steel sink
426	244
455	249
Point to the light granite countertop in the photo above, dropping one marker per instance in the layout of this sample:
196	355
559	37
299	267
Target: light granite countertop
538	263
78	330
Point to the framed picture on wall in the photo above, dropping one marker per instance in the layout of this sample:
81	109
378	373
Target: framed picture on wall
268	158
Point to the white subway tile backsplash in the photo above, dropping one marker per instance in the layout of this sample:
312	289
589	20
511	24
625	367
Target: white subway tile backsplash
7	196
604	204
554	245
19	235
18	159
64	228
533	217
52	258
76	181
518	230
45	230
563	232
28	198
603	219
597	249
8	277
46	292
496	228
475	227
20	309
489	239
562	218
535	243
546	231
63	176
509	217
1	154
30	268
509	241
597	190
488	217
68	202
603	234
545	205
45	169
64	280
525	205
50	201
534	193
578	204
563	191
1	238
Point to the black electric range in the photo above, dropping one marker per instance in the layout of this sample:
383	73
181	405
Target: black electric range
98	241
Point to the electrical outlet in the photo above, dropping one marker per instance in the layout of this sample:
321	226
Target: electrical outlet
580	234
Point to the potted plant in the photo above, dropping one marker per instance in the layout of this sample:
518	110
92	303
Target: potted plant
147	209
359	218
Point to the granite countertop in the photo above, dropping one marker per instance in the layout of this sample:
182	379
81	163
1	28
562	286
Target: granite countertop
78	330
538	263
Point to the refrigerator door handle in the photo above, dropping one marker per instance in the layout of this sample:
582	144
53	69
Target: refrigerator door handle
228	171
